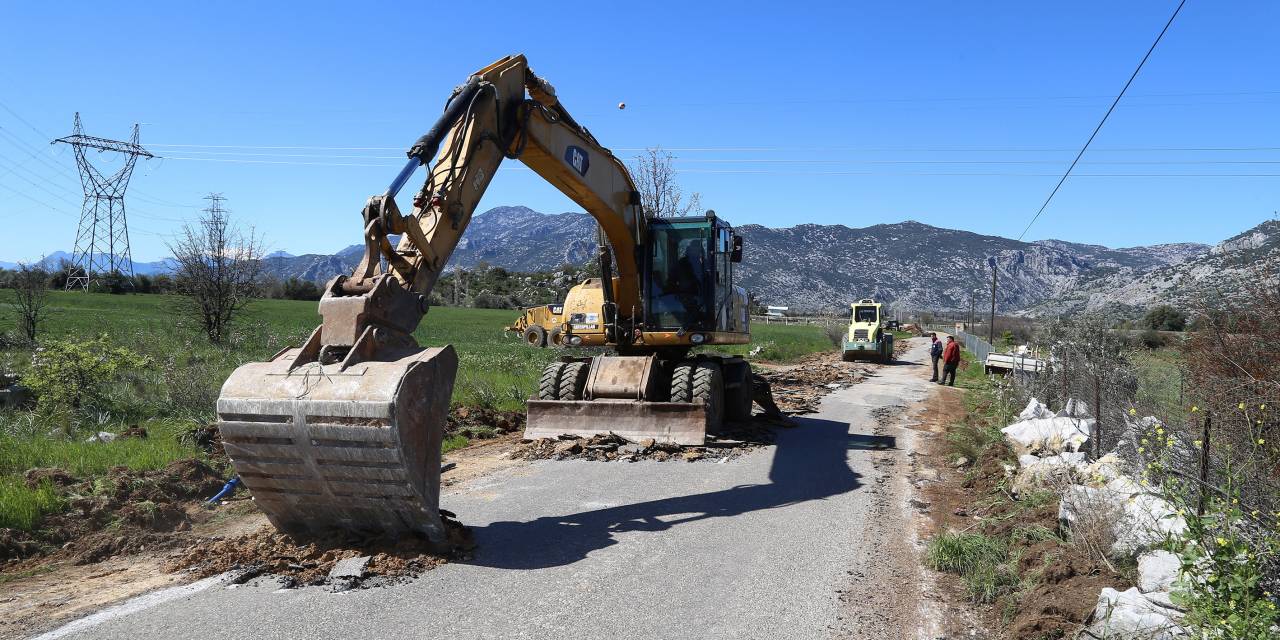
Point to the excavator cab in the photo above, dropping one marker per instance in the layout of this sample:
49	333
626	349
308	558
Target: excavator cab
688	275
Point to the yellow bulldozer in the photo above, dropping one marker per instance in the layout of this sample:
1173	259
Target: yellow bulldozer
344	432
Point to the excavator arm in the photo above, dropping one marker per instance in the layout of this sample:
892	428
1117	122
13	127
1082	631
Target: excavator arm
487	120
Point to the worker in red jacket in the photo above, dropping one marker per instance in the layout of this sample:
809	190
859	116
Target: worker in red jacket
950	361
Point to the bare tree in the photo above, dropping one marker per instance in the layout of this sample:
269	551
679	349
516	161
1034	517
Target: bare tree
218	269
31	296
659	192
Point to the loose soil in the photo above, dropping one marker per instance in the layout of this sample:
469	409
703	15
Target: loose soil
799	388
309	561
122	512
734	441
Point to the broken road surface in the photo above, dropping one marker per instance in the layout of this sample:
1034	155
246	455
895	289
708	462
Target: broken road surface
810	538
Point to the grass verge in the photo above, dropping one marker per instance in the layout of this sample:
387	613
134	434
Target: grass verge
22	507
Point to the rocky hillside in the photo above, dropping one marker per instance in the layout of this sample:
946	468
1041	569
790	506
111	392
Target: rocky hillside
516	238
1229	270
812	267
917	266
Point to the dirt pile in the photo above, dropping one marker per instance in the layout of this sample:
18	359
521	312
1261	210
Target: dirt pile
481	423
122	512
341	560
799	389
610	447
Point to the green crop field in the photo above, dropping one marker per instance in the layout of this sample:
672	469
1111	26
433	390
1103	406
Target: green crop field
175	392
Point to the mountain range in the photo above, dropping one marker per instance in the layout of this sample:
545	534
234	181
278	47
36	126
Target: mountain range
54	260
908	264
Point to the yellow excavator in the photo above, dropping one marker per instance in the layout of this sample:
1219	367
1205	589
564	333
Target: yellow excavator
344	432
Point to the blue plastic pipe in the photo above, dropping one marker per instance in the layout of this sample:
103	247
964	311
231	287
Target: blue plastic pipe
227	488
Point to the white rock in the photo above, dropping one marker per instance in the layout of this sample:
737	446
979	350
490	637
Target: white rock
1157	571
1038	472
1074	409
1129	615
101	436
1138	519
1068	459
1048	436
1035	410
1103	470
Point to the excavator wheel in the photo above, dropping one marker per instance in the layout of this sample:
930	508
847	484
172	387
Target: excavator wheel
549	384
535	336
700	382
573	380
555	339
737	399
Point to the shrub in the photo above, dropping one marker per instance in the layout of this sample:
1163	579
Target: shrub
72	376
1165	318
1152	339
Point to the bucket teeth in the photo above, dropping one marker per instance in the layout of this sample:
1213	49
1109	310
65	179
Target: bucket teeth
356	450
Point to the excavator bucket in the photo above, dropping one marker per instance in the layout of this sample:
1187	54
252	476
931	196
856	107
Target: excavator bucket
674	422
356	449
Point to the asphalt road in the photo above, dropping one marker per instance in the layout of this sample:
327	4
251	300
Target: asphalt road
803	540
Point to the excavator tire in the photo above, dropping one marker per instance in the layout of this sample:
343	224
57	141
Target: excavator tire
549	384
535	336
555	339
700	382
737	399
573	379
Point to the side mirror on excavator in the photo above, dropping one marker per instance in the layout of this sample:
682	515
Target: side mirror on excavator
736	254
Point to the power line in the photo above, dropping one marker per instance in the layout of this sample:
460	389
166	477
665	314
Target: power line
308	156
1106	115
36	200
195	149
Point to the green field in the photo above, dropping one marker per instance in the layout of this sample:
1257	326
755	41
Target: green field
177	391
495	369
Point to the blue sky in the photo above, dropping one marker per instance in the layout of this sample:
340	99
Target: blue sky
951	113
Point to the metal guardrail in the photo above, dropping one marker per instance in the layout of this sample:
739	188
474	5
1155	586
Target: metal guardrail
973	344
977	346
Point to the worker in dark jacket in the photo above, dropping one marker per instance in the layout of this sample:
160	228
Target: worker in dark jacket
950	361
935	352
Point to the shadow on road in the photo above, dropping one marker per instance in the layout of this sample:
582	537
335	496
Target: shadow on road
809	463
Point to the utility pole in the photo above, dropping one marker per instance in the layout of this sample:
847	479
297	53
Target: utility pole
991	336
102	239
972	301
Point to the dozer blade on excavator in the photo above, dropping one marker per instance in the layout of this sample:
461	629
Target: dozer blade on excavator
680	423
354	449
